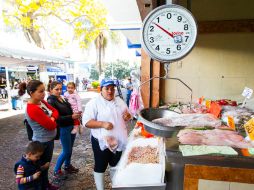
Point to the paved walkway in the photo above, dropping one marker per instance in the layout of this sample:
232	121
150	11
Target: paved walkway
13	139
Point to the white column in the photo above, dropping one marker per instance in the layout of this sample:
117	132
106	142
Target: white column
8	88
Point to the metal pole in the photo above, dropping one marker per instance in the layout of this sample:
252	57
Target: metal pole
8	88
189	5
36	74
168	2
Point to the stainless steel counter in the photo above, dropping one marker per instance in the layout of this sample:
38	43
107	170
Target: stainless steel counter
175	163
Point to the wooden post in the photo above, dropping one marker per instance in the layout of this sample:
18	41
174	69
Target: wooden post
149	68
145	75
155	84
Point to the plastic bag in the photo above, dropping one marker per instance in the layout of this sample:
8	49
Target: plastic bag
110	140
111	143
135	103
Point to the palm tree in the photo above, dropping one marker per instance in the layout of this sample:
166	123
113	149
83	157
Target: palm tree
100	44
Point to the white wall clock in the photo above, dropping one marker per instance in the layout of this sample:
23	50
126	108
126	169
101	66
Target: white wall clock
169	33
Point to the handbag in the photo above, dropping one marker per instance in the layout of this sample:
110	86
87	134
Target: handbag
57	137
28	129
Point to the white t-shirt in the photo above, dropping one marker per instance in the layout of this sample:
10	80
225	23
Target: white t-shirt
46	110
100	109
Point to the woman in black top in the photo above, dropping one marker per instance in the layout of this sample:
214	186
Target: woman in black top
65	122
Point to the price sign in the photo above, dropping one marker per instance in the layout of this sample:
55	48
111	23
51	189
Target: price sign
231	122
247	92
249	128
208	104
200	100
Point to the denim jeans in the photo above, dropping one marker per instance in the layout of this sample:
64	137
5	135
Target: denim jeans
46	157
20	104
67	141
14	103
128	97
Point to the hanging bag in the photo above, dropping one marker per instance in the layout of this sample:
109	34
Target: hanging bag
28	129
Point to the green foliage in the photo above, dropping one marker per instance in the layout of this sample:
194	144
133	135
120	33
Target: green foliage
121	69
94	74
86	17
95	84
115	37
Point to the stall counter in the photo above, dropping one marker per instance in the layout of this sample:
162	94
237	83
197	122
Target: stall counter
183	173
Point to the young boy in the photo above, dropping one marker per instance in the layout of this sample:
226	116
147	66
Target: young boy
28	169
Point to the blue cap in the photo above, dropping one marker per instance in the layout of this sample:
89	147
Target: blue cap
107	82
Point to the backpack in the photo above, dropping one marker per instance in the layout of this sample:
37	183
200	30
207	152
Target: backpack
28	129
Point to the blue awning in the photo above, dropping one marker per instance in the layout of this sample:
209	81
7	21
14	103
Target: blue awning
130	45
138	54
54	69
2	69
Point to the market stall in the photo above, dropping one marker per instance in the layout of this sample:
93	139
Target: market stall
208	141
201	158
198	146
142	164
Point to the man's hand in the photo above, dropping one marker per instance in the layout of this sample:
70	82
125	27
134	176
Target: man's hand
126	116
76	116
45	166
107	125
36	175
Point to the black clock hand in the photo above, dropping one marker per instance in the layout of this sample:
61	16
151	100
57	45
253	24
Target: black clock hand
167	32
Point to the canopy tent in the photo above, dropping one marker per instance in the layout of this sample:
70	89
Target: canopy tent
19	56
13	57
16	51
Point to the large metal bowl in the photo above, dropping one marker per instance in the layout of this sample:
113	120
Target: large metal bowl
147	115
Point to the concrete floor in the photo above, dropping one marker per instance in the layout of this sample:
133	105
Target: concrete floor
13	139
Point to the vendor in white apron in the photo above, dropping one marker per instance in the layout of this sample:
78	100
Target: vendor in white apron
106	115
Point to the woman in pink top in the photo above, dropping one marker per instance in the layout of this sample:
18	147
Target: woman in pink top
74	99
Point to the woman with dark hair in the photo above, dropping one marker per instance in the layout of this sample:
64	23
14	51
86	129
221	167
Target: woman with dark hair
22	89
106	116
42	119
65	122
21	95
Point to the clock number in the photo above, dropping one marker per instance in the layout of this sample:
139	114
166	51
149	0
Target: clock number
186	38
158	19
179	18
151	28
178	47
185	27
157	48
168	51
151	39
169	16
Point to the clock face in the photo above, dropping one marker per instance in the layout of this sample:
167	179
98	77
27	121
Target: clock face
169	33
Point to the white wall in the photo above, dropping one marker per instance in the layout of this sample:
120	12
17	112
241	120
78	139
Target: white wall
220	66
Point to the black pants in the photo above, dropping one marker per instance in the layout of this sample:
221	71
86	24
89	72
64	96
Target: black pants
103	158
46	157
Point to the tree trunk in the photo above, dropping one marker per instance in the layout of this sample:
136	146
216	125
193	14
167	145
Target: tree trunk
36	37
99	60
27	36
100	46
33	34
